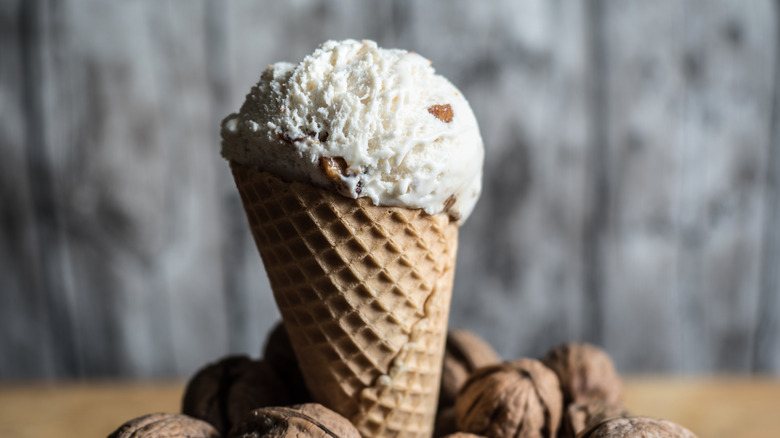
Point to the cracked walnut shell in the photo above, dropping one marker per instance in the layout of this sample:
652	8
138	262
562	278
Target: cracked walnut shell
520	398
310	420
586	373
160	425
636	427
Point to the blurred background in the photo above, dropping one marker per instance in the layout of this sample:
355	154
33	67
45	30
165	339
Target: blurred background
631	194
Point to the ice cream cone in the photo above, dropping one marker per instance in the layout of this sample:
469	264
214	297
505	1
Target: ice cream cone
364	292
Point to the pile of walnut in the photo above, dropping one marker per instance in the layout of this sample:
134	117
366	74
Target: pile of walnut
573	391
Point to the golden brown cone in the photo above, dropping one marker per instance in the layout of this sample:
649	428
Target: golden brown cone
364	292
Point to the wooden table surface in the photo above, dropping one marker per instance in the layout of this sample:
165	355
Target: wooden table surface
722	407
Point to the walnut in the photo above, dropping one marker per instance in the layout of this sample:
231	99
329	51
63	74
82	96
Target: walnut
279	354
586	373
299	421
442	112
445	422
578	417
225	391
448	204
636	427
335	170
521	398
465	352
283	136
161	425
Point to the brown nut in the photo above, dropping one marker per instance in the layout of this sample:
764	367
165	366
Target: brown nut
636	427
335	170
161	425
578	417
465	352
586	373
445	422
223	392
299	421
442	112
279	354
518	398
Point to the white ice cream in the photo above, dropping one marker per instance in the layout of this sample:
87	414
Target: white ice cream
367	121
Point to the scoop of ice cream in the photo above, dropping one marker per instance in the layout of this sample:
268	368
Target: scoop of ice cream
366	121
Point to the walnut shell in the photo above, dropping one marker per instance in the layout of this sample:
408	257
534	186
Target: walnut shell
578	417
465	352
636	427
279	353
586	373
299	421
162	425
223	392
520	398
445	422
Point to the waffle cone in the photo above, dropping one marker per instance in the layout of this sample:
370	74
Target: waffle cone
364	292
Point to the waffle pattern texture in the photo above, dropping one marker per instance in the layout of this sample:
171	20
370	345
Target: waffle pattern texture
364	292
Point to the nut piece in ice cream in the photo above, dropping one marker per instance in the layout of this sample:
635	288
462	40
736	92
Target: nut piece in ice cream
160	425
335	170
442	112
407	136
516	398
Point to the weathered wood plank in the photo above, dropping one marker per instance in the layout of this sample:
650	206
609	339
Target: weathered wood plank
766	357
688	100
128	134
625	197
24	326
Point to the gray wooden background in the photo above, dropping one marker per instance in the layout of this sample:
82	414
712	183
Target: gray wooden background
632	193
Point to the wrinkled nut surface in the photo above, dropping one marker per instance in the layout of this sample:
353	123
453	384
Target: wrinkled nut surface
465	352
442	112
223	392
586	373
279	354
578	417
161	425
519	398
636	427
298	421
